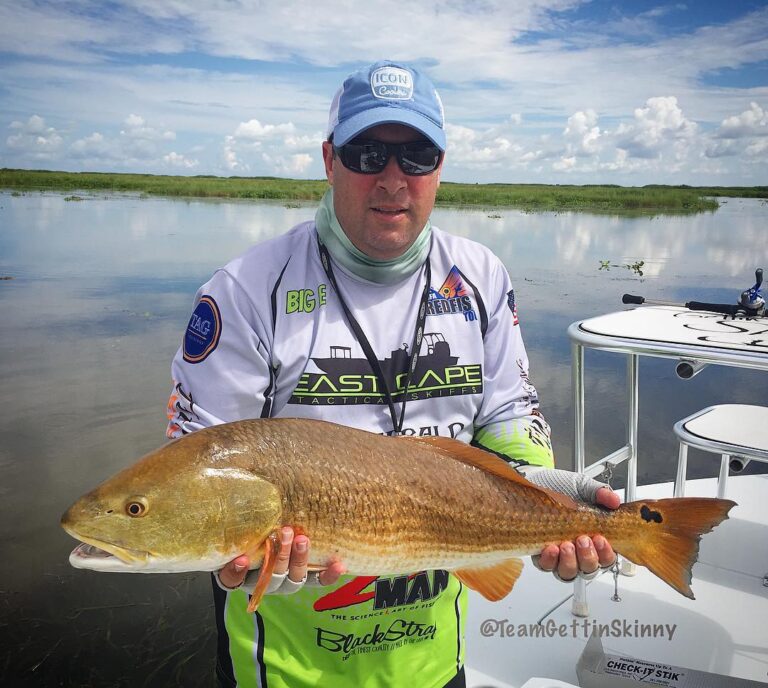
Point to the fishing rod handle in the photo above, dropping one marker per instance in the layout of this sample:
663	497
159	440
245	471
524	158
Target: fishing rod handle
629	298
724	308
639	300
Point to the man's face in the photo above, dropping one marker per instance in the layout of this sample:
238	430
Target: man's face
382	214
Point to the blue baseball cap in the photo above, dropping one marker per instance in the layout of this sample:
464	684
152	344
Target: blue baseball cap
386	93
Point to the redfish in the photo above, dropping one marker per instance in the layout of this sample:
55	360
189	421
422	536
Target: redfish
379	505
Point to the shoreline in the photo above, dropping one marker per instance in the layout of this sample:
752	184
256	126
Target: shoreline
530	197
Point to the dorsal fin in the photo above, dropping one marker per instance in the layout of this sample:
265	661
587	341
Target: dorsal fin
490	463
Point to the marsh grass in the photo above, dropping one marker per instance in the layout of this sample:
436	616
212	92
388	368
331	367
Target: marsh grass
646	199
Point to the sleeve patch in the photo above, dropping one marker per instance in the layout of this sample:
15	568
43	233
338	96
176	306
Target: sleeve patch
512	306
203	331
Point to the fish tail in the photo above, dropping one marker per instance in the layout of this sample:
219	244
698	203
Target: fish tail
666	535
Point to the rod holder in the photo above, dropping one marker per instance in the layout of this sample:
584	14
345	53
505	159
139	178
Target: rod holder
737	464
686	369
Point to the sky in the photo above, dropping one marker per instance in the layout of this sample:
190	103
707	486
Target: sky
544	91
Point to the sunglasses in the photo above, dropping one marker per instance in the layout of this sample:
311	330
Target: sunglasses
366	156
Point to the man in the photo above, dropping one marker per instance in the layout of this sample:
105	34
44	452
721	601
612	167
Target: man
368	317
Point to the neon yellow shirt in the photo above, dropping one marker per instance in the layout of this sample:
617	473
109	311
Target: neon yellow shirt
366	631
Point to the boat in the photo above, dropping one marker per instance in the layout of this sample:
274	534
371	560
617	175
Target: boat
626	625
437	357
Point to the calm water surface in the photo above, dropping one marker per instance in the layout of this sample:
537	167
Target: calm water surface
101	292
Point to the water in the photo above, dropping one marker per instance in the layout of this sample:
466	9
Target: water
100	295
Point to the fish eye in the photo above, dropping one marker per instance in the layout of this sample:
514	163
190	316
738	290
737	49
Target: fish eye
135	508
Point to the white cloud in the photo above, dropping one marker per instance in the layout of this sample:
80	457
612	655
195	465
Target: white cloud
290	166
532	156
515	96
752	122
659	138
722	148
253	130
583	132
281	150
741	136
231	161
95	146
564	164
139	140
33	138
758	149
176	160
619	163
491	147
656	126
310	142
297	164
136	128
136	145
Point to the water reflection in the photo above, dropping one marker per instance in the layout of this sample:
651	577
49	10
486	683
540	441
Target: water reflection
101	293
723	243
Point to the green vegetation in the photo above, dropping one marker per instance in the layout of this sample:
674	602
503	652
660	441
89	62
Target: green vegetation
636	267
592	197
158	185
646	199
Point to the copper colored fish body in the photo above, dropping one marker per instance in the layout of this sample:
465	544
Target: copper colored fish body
377	504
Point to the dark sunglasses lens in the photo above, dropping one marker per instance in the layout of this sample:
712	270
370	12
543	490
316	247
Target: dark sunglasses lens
419	158
367	157
370	157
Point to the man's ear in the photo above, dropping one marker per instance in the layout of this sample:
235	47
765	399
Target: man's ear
328	160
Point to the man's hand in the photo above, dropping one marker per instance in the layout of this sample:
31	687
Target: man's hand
292	559
589	553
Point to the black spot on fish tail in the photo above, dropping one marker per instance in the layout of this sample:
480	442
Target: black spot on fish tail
650	515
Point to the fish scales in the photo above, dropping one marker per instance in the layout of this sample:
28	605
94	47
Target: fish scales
394	503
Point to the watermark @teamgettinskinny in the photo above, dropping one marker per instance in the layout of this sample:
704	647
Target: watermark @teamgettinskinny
577	628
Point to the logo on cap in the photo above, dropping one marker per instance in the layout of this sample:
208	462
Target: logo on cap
392	83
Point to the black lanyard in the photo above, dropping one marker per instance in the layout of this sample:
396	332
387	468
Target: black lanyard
418	334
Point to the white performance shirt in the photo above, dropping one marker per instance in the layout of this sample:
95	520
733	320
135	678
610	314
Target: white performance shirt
268	338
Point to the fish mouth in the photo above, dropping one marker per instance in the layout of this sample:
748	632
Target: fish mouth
105	556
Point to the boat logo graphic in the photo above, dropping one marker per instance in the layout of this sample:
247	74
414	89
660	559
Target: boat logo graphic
347	380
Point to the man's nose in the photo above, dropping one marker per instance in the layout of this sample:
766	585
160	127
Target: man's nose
392	178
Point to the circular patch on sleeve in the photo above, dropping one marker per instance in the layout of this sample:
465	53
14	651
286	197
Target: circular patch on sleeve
203	331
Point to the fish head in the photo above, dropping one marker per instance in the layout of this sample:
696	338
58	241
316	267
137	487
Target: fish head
166	515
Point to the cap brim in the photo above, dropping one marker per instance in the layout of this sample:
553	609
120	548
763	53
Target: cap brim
349	128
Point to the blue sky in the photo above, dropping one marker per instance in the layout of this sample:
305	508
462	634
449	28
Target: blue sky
554	91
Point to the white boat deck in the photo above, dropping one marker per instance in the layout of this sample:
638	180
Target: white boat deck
723	631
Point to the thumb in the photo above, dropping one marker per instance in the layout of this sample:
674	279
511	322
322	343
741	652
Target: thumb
606	497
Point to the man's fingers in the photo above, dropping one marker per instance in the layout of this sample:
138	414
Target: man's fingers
567	565
586	554
330	575
548	558
607	498
284	555
605	554
233	574
297	569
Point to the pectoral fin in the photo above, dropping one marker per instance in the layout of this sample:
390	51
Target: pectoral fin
271	548
492	582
